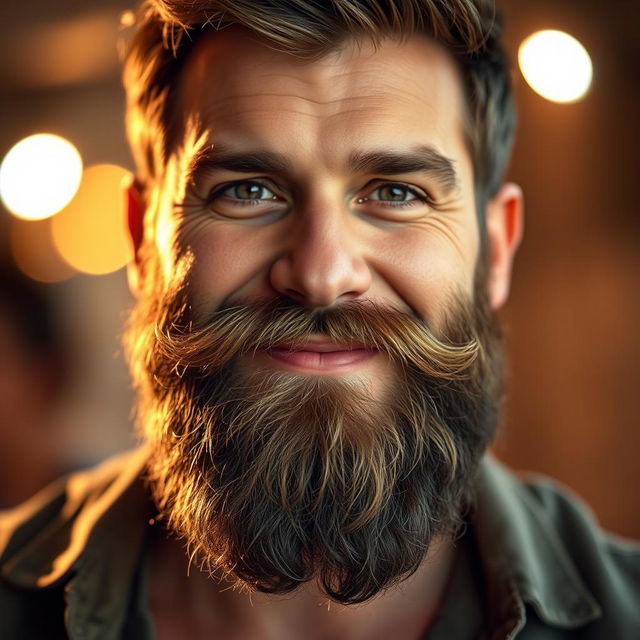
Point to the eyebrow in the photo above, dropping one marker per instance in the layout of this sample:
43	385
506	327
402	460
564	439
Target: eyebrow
243	162
216	157
422	159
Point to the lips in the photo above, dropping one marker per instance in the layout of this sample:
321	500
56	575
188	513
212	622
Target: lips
320	355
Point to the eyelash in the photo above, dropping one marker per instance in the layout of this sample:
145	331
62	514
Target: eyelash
243	203
419	197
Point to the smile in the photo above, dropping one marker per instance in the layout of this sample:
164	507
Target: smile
319	357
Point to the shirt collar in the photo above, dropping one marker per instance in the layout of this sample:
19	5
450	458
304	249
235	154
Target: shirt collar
524	557
76	518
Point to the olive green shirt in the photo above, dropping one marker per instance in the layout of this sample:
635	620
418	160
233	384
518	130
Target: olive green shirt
532	565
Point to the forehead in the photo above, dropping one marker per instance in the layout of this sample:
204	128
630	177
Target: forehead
398	94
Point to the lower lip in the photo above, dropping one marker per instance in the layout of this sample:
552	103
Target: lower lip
338	361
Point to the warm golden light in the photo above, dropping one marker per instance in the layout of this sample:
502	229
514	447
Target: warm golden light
556	66
77	47
33	251
39	176
90	234
127	18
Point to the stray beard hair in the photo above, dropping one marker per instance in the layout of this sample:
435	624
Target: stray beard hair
274	479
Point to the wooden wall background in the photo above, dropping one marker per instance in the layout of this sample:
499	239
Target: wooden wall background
573	405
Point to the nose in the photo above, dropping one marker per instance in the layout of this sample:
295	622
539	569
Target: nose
322	263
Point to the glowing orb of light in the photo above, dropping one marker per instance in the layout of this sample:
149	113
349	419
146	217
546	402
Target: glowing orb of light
39	176
555	65
90	233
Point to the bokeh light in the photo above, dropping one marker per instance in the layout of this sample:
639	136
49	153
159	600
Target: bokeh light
33	251
90	233
555	65
127	18
39	176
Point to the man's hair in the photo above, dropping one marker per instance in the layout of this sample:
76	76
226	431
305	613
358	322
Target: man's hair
167	31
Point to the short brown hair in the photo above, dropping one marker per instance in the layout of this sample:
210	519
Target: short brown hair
167	30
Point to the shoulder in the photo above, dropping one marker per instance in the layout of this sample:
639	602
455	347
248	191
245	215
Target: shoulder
608	563
57	522
573	519
566	566
56	536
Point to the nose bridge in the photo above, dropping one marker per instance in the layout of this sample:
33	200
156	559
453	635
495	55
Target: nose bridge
323	260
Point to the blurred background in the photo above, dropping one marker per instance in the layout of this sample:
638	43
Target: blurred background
572	409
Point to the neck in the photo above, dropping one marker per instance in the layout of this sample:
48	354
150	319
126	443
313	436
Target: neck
184	598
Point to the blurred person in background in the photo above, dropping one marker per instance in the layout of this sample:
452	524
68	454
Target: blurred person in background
322	237
32	377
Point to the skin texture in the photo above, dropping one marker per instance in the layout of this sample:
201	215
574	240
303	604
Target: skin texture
324	233
326	248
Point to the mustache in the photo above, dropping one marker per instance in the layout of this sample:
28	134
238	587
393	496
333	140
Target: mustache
244	328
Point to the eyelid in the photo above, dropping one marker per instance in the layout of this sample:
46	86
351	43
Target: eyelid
421	196
420	193
263	182
229	207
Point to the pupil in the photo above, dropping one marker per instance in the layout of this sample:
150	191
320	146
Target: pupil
394	193
252	191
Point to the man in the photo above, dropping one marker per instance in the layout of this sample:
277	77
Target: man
322	236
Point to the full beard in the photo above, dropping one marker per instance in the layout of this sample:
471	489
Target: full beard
274	479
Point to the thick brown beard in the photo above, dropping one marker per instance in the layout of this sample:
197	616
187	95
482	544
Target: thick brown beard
275	479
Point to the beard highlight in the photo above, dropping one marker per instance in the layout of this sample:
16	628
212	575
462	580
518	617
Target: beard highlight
274	479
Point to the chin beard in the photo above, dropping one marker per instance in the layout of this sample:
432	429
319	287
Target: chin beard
274	479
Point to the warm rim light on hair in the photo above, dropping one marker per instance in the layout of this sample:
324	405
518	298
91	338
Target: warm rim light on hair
555	65
39	176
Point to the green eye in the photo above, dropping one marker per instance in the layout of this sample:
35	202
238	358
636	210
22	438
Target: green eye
392	193
395	195
248	191
247	199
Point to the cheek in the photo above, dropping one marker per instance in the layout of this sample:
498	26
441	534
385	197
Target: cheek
229	261
424	265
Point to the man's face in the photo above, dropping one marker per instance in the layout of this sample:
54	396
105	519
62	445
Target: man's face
354	181
317	362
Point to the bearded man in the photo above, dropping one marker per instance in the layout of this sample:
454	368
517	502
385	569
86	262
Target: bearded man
322	237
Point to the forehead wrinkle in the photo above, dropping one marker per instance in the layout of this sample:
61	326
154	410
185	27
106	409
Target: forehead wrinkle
272	106
327	82
330	90
299	121
322	106
253	96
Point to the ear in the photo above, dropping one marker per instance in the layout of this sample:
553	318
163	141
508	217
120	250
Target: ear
504	215
135	207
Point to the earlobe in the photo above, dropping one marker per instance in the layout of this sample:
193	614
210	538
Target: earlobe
504	215
135	207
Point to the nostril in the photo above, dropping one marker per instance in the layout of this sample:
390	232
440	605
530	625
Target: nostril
294	293
318	279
